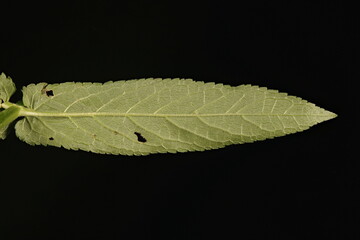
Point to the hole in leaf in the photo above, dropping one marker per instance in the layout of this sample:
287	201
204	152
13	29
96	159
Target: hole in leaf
49	93
140	138
51	138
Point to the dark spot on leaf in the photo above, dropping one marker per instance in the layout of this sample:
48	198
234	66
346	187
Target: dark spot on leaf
51	138
140	137
49	93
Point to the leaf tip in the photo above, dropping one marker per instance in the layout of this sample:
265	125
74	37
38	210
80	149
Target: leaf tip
326	115
331	115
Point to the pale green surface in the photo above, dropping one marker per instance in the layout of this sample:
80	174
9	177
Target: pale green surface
3	132
7	89
172	115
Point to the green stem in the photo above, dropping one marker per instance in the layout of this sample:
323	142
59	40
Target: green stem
6	105
9	114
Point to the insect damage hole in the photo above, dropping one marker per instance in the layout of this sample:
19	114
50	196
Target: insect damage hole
140	138
51	138
48	93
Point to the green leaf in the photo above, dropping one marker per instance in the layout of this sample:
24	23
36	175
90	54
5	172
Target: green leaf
7	88
139	117
3	132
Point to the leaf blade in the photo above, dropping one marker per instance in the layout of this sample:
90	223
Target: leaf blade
7	88
170	114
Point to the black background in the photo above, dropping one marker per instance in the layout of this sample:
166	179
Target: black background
296	187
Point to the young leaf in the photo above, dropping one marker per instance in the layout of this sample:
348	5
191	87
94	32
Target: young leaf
7	88
139	117
3	132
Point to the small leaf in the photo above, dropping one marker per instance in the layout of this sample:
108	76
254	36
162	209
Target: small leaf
7	88
3	132
139	117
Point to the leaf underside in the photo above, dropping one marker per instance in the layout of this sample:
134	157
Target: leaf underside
7	89
139	117
3	132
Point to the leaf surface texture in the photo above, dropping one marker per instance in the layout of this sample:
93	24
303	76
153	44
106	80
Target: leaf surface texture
139	117
7	89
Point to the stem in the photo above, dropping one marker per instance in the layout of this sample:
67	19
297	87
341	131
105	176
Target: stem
6	105
9	115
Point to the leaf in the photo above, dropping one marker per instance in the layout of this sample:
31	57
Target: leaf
3	132
7	88
139	117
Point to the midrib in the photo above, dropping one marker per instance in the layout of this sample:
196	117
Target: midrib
26	112
110	114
